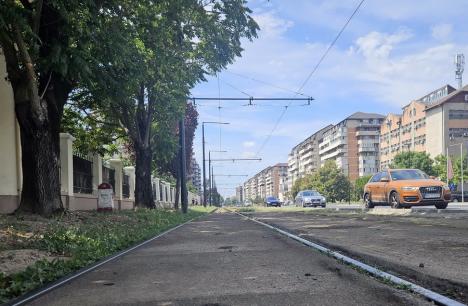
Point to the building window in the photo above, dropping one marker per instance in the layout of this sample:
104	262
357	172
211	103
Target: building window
458	114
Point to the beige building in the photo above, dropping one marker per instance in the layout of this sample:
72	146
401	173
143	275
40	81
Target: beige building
266	182
304	159
447	123
405	132
431	124
353	144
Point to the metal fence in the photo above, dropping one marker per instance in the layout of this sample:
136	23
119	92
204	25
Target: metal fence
82	174
108	176
126	186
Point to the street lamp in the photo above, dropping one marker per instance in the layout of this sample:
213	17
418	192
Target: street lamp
203	145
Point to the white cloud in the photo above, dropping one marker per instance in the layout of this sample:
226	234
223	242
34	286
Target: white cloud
271	26
442	31
379	45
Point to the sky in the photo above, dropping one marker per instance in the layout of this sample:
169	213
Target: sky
391	53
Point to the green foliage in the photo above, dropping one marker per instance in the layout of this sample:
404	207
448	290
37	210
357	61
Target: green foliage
191	188
414	160
328	180
99	235
440	167
358	187
92	134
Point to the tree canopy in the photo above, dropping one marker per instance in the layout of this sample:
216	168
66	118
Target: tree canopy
416	160
328	180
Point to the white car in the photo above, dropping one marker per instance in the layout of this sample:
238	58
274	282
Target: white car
310	198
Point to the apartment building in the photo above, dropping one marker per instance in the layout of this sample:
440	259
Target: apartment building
447	123
266	182
431	124
353	144
304	159
405	132
195	175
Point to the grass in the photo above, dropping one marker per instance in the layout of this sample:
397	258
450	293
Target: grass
78	239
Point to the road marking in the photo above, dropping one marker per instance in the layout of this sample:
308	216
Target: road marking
431	295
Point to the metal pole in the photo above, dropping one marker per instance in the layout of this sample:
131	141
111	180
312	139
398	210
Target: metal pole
447	167
461	173
183	180
204	168
209	174
212	186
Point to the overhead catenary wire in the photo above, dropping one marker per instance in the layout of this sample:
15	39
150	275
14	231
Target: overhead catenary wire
311	73
268	83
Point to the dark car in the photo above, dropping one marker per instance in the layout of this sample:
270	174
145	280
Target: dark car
457	196
272	201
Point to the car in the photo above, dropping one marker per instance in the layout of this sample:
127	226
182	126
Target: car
403	188
457	196
310	198
272	201
247	203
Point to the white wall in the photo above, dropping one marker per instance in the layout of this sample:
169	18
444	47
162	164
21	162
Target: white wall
9	161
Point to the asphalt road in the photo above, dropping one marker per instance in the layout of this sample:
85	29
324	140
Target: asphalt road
224	259
428	249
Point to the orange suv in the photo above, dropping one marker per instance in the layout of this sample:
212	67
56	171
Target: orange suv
404	188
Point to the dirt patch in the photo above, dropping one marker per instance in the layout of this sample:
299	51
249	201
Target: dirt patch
13	261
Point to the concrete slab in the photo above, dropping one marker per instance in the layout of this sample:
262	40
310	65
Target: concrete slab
224	259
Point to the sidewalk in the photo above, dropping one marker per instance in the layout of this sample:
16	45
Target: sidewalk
224	259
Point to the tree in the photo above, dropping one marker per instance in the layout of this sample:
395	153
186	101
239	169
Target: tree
416	160
440	167
164	48
298	185
46	45
358	188
328	180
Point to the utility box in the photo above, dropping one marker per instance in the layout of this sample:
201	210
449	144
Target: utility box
105	197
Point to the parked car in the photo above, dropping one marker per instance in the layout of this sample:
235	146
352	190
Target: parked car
457	196
405	188
310	198
247	203
272	201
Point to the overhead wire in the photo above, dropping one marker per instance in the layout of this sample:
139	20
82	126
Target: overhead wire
310	74
267	83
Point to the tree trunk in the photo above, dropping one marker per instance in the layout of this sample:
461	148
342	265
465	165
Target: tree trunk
143	188
40	149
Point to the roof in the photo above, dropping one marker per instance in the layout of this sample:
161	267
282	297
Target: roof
281	165
362	115
311	136
450	89
448	97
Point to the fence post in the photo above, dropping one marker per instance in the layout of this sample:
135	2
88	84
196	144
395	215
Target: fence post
66	164
130	171
97	172
157	187
168	193
116	164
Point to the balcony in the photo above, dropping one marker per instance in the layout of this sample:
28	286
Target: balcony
368	149
367	133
